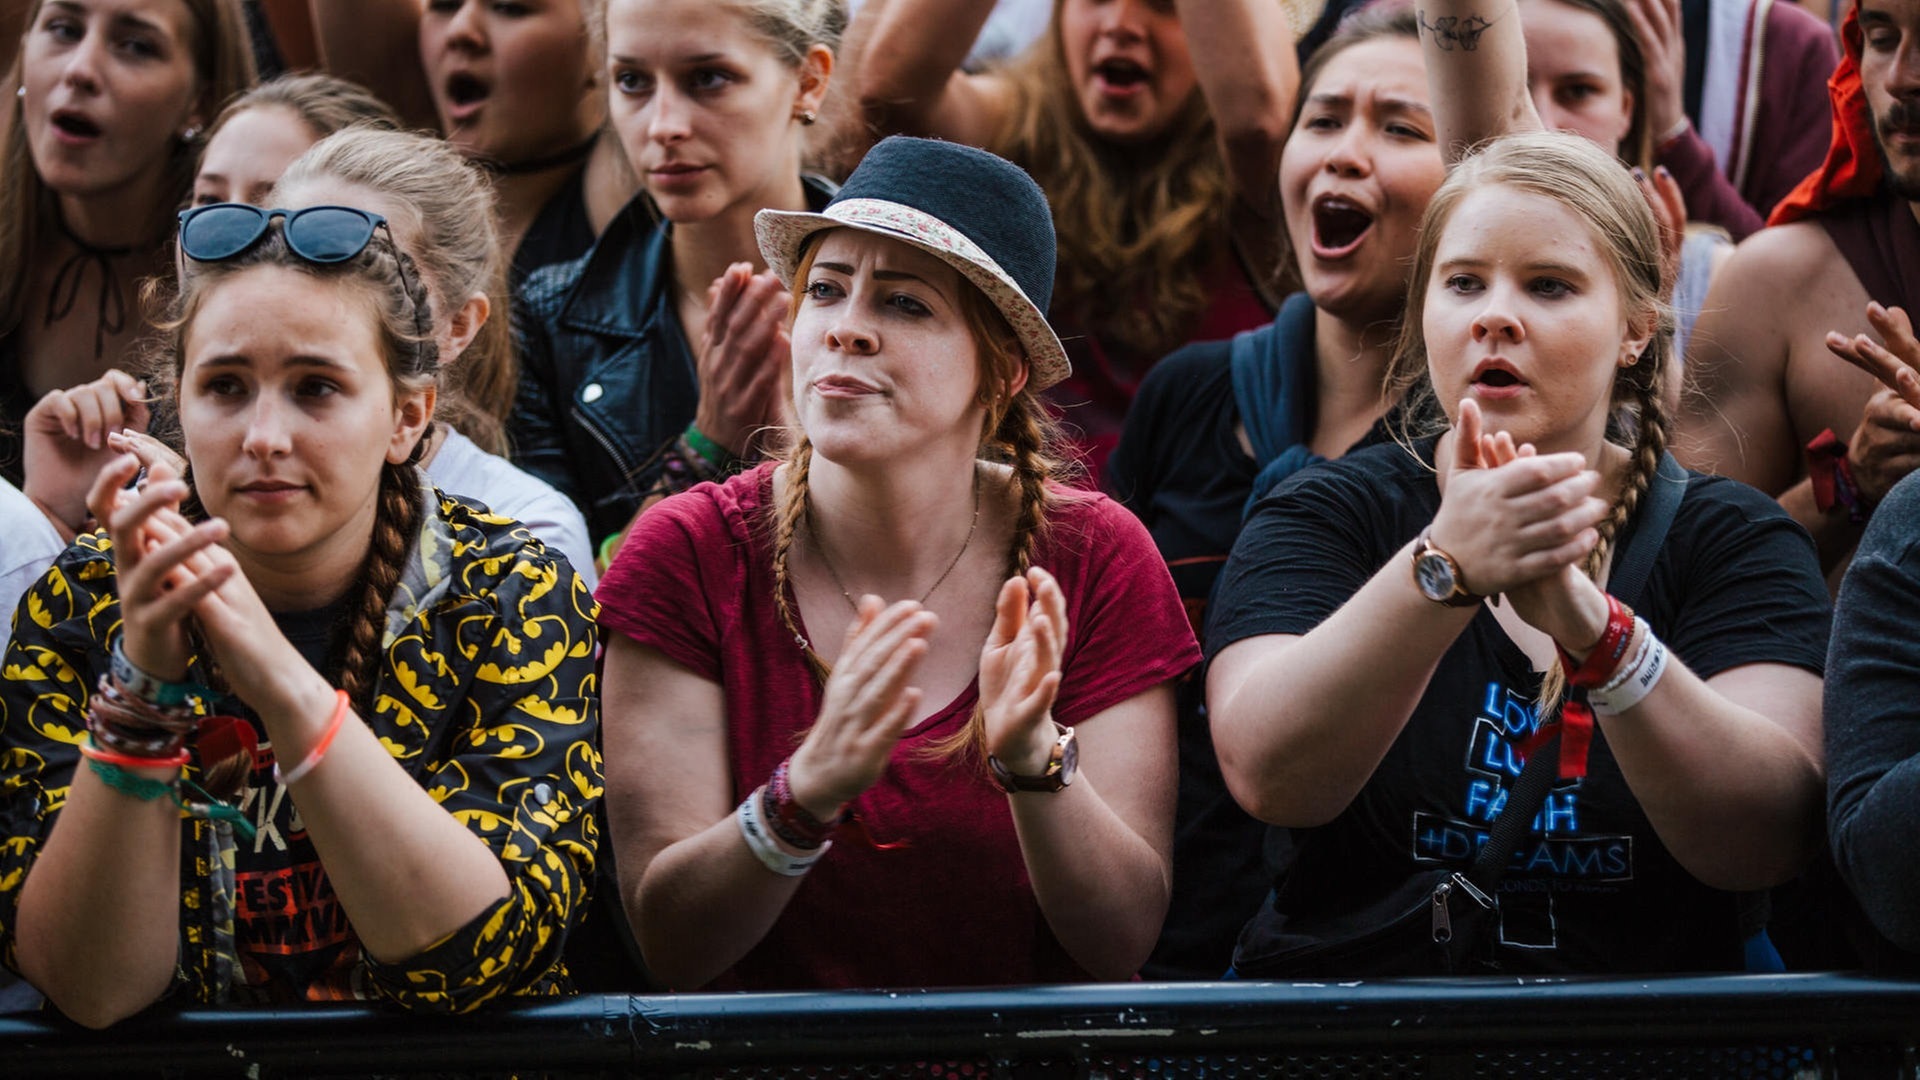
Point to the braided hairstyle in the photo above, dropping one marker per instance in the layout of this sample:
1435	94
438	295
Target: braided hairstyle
1589	181
395	292
1017	431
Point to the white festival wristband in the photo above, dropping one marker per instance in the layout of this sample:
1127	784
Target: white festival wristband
766	848
1640	682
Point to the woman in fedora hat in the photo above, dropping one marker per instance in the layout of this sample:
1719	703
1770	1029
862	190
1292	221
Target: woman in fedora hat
901	662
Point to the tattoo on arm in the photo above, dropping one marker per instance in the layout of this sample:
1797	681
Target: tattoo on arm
1451	30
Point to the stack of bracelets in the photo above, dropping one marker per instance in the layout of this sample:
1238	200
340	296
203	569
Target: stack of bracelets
1624	667
781	833
690	459
137	721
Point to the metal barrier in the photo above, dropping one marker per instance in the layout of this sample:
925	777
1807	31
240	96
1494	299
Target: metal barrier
1817	1025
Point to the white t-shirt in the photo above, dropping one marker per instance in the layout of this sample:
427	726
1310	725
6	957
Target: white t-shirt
28	546
462	468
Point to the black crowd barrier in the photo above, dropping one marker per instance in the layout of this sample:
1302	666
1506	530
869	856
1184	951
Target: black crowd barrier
1787	1026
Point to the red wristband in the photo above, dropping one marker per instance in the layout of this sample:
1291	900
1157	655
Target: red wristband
1605	658
1832	477
790	820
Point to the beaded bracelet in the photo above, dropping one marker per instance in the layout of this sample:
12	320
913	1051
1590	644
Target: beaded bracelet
788	819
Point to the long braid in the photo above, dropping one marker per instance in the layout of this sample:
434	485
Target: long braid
1650	443
1025	435
791	510
396	523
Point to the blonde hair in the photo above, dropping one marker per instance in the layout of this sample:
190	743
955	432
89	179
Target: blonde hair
1017	430
1589	181
222	65
791	27
456	241
324	103
1135	227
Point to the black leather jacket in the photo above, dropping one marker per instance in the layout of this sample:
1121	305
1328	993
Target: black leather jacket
607	378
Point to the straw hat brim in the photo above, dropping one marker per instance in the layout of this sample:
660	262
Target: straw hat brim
781	234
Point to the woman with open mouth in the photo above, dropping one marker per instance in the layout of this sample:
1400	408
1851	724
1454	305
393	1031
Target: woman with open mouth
319	732
109	99
1217	424
516	87
658	360
1154	126
1531	697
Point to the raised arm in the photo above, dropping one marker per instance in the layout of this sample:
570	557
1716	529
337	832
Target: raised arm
1243	53
907	70
1477	66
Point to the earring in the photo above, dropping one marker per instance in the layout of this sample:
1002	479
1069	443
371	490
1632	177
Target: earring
189	133
21	93
806	116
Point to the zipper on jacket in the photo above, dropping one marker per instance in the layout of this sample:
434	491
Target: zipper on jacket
1442	918
605	443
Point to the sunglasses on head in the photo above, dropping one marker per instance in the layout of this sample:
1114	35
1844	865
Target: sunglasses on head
325	235
318	234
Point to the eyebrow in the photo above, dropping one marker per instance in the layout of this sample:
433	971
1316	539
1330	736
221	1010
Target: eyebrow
119	18
1392	104
702	58
884	275
1544	267
235	360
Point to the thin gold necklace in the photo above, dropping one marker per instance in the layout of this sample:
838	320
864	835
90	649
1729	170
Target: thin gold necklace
931	589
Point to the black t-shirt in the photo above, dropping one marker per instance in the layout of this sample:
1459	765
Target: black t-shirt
562	231
1735	583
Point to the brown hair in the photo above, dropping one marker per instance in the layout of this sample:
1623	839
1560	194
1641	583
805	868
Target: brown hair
1590	182
223	66
455	239
325	103
1017	431
394	291
1136	225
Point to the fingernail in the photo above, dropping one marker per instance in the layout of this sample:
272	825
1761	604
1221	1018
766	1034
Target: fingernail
1639	174
1662	170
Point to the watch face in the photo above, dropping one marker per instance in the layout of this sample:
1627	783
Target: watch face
1434	574
1070	759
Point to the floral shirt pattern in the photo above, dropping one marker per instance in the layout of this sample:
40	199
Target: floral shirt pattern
489	699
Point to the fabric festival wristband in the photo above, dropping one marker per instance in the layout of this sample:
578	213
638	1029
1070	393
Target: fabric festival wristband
1634	690
1831	475
1643	634
339	718
1604	660
126	783
711	452
790	821
150	688
754	831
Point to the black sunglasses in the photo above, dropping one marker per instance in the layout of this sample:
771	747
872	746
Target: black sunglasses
325	235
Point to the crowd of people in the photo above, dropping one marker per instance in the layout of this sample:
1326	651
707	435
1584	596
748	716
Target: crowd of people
507	499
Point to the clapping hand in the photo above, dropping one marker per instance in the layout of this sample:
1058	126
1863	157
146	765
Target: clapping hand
1020	671
1507	523
745	369
67	437
868	703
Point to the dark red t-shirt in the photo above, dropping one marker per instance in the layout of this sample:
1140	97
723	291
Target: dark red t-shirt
946	900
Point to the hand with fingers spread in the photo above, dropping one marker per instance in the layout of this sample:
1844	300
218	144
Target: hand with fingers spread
1886	444
67	436
868	703
1508	524
163	571
1020	671
745	370
1658	25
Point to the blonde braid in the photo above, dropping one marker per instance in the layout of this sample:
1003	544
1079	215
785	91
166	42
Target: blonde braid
1650	443
396	522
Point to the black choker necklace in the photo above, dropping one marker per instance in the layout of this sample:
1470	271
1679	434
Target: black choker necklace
66	287
552	161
